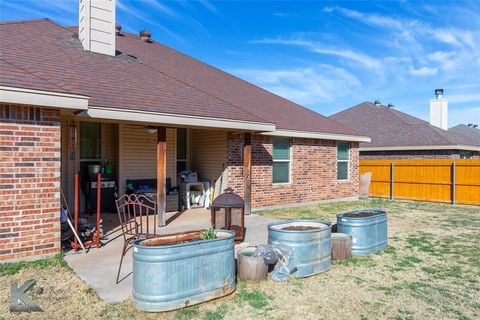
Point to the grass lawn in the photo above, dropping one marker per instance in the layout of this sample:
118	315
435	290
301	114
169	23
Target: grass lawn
431	270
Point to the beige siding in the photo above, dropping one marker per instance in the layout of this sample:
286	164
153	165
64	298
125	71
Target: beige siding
209	153
138	155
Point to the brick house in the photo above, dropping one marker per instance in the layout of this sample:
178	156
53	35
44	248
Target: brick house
397	135
69	99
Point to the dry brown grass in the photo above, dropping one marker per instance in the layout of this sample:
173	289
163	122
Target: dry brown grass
429	271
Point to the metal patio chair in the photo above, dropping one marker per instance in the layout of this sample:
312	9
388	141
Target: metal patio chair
133	213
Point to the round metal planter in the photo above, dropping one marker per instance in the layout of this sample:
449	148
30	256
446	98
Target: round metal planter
369	232
312	248
170	277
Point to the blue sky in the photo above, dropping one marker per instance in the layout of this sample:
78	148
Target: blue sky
324	55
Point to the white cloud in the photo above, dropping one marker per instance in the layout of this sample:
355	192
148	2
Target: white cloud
307	86
363	59
423	71
445	59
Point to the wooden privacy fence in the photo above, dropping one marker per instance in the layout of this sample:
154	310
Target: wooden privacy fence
453	180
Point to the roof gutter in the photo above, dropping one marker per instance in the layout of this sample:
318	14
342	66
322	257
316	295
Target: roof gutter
43	98
318	135
174	119
432	147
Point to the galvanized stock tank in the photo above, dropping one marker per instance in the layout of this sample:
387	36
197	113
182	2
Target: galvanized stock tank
312	247
368	229
168	277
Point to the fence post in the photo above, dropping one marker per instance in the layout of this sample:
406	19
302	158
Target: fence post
454	178
391	181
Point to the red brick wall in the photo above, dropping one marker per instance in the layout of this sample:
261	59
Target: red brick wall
313	171
29	182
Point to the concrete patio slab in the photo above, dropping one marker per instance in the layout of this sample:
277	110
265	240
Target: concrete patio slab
98	268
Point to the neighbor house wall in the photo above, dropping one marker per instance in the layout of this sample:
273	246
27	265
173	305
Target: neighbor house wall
208	153
29	182
413	154
138	154
313	171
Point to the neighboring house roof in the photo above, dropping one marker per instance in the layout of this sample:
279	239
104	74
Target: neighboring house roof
150	77
391	129
464	130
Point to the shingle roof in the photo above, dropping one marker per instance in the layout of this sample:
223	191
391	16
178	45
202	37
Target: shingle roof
464	130
146	76
389	127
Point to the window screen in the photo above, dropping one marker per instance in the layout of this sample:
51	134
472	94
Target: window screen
281	160
181	149
343	160
90	140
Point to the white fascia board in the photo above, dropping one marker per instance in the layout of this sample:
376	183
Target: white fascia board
174	119
433	147
319	135
43	98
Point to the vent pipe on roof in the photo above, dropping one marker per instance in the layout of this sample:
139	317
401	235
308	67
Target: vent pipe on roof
439	110
118	29
390	105
145	36
377	103
96	26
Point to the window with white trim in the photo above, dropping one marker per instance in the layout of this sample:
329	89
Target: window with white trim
343	160
281	160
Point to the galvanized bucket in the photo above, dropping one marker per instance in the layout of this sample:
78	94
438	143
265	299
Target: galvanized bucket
369	234
312	248
170	277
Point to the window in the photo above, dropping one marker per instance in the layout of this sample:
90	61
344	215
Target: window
90	140
343	160
281	160
466	154
181	150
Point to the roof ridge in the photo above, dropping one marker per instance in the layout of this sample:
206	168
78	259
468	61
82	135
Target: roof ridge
201	90
433	128
179	80
395	112
24	21
37	76
238	78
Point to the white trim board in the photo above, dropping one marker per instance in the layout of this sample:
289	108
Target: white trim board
43	98
173	119
432	147
317	135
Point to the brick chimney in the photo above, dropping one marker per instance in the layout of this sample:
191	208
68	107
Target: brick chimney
439	110
96	26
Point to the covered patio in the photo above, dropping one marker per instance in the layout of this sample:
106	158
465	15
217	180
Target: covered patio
98	267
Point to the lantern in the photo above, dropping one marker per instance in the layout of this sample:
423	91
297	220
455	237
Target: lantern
228	213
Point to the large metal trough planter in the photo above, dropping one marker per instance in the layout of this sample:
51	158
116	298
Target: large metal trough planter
169	277
368	229
312	247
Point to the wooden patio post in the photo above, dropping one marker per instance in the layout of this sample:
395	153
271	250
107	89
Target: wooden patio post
247	171
161	174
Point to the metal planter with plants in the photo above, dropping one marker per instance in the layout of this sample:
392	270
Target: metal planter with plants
175	271
368	229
